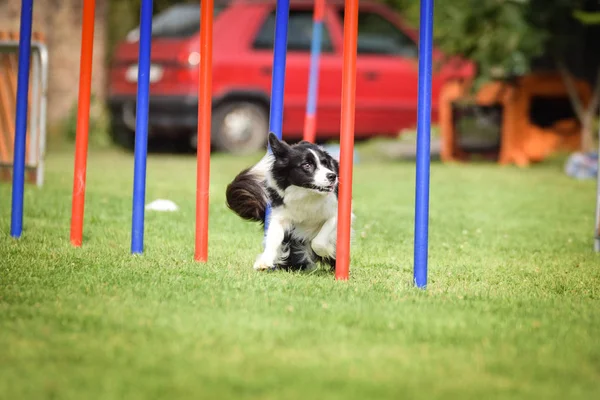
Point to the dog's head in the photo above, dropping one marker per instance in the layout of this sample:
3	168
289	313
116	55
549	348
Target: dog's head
304	165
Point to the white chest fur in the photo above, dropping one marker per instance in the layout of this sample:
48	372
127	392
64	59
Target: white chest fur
308	210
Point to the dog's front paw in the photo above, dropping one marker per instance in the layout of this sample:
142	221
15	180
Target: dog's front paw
325	250
263	265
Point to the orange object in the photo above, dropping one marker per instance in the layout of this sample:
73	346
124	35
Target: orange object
522	140
310	128
9	67
204	126
7	98
83	119
319	10
342	265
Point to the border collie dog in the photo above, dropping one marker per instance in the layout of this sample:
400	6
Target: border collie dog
300	182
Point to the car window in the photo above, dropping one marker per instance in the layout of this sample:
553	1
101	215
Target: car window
378	35
180	20
300	25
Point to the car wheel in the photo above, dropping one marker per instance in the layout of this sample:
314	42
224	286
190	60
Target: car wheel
122	136
239	127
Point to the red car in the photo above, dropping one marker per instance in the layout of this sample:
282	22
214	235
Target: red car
386	79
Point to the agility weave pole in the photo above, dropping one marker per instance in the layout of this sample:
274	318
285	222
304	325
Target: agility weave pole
282	13
310	119
204	126
18	184
342	266
141	129
83	121
423	144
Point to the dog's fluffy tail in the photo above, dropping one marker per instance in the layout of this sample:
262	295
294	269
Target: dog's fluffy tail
246	195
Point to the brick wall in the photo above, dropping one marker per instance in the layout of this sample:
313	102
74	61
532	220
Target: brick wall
60	22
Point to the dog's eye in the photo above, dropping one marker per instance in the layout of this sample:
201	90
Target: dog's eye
306	166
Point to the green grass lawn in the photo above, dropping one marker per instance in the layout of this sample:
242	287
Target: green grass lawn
512	309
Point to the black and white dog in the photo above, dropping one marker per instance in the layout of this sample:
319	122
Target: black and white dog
301	184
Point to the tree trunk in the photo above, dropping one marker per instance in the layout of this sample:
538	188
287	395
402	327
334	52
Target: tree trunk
584	115
587	131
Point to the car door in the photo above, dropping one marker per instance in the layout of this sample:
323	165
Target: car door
297	70
386	75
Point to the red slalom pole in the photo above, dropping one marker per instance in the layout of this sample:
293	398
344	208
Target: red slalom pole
204	117
83	119
342	265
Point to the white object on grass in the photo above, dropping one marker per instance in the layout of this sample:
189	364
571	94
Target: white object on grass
162	205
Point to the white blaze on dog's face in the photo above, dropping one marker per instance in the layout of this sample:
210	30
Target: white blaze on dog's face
323	175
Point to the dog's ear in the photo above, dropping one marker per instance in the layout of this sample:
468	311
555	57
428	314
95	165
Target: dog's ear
279	148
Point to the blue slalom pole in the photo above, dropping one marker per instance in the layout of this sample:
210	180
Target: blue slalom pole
18	184
423	144
278	77
141	129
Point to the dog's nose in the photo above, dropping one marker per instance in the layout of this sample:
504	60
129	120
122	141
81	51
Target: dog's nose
331	177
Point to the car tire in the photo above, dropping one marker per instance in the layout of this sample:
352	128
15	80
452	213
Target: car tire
239	127
121	135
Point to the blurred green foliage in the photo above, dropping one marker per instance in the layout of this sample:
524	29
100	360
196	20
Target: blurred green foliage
502	36
97	127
